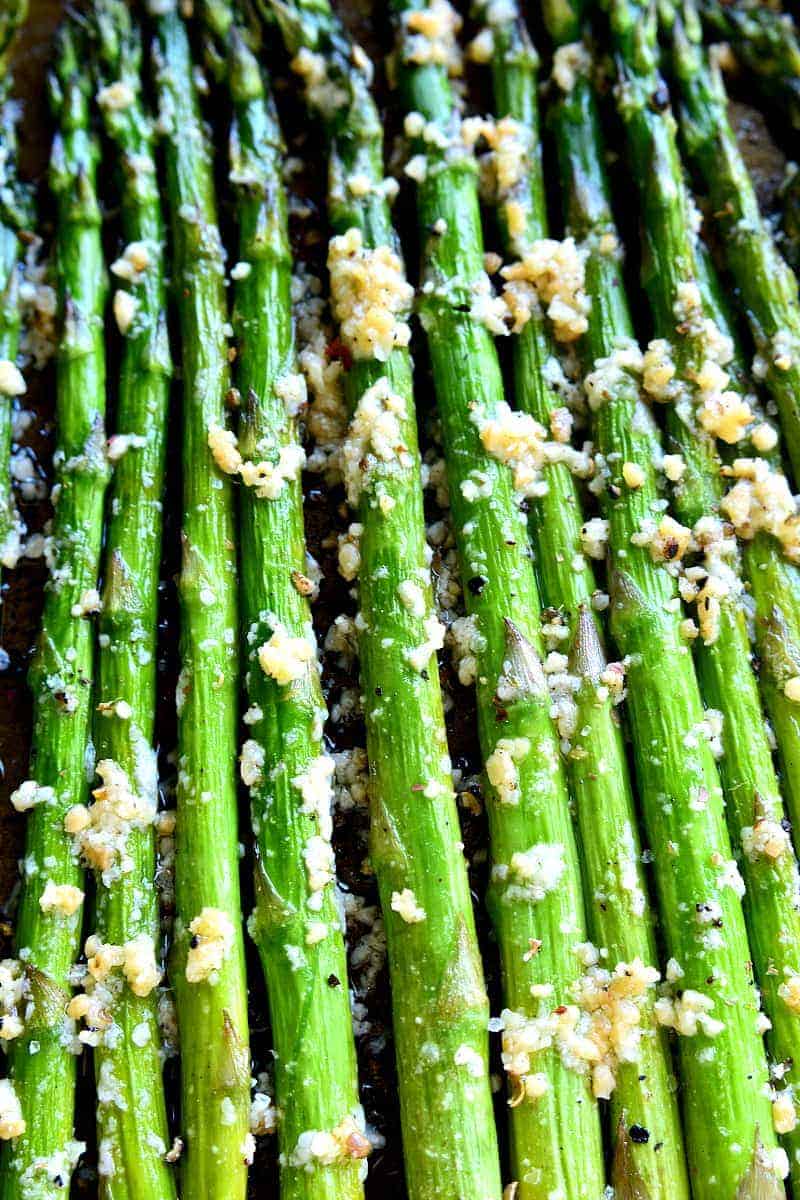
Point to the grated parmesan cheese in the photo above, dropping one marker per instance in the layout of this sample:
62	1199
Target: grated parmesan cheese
285	658
12	1123
405	904
212	940
370	296
551	272
501	767
429	36
63	898
374	441
12	382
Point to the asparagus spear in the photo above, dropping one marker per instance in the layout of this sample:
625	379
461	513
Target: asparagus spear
770	872
789	196
768	287
752	252
441	1011
116	835
12	382
765	40
13	217
620	919
754	808
283	760
535	894
713	1003
39	1159
207	969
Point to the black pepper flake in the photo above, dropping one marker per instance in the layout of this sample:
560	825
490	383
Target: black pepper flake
378	691
194	941
639	1135
476	584
334	981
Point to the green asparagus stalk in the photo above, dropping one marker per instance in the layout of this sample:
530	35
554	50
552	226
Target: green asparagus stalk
14	214
283	760
712	1002
754	808
207	968
441	1010
751	250
768	287
770	870
535	893
620	918
116	835
765	40
39	1161
789	195
12	383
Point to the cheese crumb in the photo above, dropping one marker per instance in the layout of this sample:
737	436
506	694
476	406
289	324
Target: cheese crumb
784	1115
322	1147
688	1014
139	965
125	306
251	762
224	448
374	444
285	658
430	36
633	474
29	794
532	874
116	96
570	63
370	296
762	500
12	1123
133	262
211	943
552	272
501	767
12	382
62	898
419	657
405	903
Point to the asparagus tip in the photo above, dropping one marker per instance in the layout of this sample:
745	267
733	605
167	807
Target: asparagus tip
524	664
588	659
